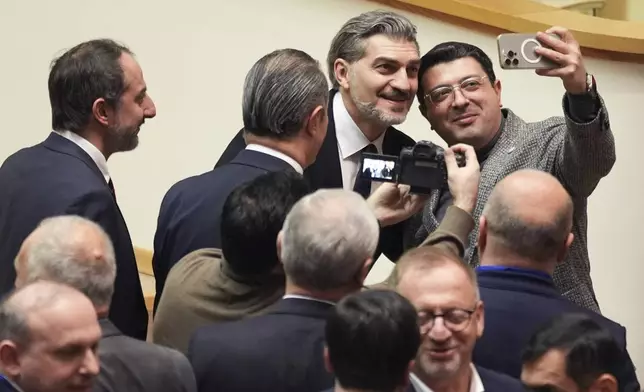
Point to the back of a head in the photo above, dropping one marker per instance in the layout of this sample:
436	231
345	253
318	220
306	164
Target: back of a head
350	41
529	213
253	216
280	91
70	250
447	52
372	336
327	237
590	349
84	73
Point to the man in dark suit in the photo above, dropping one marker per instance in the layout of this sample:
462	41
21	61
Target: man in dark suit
525	232
99	102
372	339
451	317
323	261
74	251
285	119
373	64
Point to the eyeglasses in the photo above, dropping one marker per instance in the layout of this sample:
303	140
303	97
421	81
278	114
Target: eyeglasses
441	94
455	320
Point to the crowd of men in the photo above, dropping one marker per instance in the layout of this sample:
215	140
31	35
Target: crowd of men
260	263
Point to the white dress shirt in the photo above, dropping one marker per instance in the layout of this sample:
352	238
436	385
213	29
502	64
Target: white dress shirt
276	154
351	141
476	385
91	150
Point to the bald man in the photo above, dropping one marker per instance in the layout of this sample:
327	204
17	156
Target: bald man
76	251
525	233
48	339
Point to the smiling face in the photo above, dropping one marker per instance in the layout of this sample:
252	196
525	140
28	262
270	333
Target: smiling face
383	83
469	113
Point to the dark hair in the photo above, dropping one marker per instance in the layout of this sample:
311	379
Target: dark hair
448	52
252	217
371	338
591	349
88	71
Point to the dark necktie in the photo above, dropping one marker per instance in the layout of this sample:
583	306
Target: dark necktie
362	185
111	185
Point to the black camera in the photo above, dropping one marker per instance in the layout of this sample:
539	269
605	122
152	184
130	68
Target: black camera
421	166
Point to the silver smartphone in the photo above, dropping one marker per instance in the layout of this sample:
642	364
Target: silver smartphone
516	51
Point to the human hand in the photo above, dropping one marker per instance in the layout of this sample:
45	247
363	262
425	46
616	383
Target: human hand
393	203
463	182
567	53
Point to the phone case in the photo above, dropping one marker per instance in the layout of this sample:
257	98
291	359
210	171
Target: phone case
516	51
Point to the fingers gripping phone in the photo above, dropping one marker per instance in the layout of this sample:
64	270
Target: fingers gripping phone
517	51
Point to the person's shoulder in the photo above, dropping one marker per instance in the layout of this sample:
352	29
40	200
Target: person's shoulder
194	267
400	136
494	381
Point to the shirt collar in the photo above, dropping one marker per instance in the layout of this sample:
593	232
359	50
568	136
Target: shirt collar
476	384
350	138
276	154
91	150
296	296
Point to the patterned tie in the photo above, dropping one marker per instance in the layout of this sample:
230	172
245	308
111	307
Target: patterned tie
111	185
362	185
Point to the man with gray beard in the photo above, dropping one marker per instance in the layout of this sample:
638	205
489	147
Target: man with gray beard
373	66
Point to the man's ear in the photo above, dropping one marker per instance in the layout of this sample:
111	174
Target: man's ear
564	249
100	111
604	383
317	123
480	320
278	243
9	359
341	70
364	270
482	241
497	89
327	360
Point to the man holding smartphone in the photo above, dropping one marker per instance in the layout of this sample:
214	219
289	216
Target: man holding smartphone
461	98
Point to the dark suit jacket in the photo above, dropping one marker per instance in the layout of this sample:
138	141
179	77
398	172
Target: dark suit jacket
281	350
326	172
131	365
190	213
518	303
56	177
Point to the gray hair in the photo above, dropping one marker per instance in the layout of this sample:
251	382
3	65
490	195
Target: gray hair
349	42
327	237
63	249
16	307
280	91
532	239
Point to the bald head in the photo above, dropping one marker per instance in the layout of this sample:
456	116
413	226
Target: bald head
529	213
70	250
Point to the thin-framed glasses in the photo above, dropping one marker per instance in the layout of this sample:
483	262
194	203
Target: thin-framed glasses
442	94
455	320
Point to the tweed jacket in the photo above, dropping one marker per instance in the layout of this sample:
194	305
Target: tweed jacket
579	155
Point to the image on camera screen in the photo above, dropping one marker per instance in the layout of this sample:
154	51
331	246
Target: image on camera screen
378	169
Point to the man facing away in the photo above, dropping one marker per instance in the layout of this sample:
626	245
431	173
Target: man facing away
284	106
99	102
48	339
372	339
77	252
460	96
525	233
373	67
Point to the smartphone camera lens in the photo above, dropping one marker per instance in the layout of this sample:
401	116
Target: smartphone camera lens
508	61
511	54
515	62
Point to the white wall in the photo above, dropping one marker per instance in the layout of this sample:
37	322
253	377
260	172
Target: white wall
195	54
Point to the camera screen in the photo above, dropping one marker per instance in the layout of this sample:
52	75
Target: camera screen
378	169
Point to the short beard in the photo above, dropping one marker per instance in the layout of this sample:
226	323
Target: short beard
369	111
123	138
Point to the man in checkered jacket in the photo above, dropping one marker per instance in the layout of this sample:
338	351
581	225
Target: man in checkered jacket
461	98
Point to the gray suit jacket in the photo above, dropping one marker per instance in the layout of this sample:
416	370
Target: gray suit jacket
579	155
132	365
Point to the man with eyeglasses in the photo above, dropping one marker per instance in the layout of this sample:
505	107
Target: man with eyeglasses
445	294
460	96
